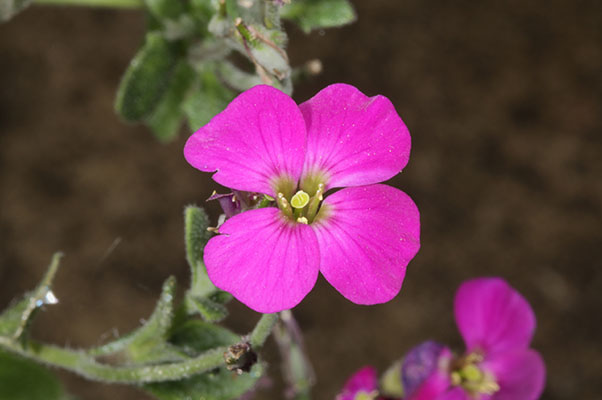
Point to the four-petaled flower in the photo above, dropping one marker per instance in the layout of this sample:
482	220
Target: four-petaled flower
497	325
363	385
361	238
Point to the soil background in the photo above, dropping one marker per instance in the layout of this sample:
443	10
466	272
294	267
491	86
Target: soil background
503	100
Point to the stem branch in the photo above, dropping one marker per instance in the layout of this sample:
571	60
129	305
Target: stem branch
82	364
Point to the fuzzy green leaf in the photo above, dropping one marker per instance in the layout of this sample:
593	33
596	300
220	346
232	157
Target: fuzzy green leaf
195	337
146	79
15	320
210	310
220	384
196	222
149	343
165	9
21	379
210	98
9	8
316	14
165	121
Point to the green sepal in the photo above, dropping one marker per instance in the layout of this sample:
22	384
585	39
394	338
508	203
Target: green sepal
316	14
208	99
146	79
22	379
10	8
166	119
15	321
195	337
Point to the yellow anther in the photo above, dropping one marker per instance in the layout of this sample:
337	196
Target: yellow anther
300	199
456	379
489	388
362	395
284	206
302	220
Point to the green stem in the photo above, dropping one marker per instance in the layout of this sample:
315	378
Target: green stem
82	364
262	330
94	3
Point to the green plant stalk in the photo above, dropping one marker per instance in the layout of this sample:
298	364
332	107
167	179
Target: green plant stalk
94	3
84	364
262	330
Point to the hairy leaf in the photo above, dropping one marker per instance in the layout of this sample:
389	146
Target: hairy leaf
165	9
166	120
209	98
195	337
146	79
316	14
15	320
21	379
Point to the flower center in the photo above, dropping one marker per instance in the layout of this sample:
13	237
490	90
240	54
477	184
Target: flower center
301	207
363	395
472	378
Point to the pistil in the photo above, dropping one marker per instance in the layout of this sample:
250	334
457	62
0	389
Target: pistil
302	207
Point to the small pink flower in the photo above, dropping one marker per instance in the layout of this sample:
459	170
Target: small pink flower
363	385
361	238
497	325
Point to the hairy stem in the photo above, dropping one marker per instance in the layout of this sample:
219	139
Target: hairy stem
262	330
83	363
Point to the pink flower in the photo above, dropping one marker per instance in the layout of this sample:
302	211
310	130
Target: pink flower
363	385
497	325
361	238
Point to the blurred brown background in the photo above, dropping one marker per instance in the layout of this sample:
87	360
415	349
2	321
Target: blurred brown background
503	100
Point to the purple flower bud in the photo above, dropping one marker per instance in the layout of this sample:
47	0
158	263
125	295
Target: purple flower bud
422	362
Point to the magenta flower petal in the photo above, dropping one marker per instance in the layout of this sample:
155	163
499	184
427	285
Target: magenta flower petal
363	381
264	260
353	139
454	394
520	374
259	138
492	316
367	236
